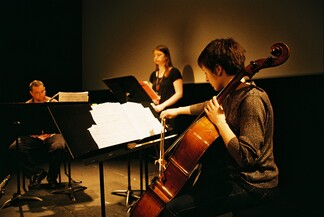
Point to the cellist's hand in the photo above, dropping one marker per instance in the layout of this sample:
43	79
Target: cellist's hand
169	113
214	112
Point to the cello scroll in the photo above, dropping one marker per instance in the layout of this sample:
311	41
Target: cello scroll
281	53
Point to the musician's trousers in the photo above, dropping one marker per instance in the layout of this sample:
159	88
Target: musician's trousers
31	151
219	198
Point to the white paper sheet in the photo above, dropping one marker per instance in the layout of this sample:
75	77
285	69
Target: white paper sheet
119	123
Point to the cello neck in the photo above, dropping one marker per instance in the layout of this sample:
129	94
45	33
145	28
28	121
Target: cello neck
232	85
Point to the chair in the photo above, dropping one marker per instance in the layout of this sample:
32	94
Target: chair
70	190
265	210
269	209
18	196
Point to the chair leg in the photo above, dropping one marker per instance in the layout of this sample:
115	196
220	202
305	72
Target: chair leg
60	177
24	183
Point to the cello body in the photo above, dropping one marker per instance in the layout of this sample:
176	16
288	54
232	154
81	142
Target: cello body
193	143
179	169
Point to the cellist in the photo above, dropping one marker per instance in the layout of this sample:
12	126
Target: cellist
239	169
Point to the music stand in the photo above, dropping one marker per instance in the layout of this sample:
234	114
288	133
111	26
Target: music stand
128	89
73	121
25	119
59	120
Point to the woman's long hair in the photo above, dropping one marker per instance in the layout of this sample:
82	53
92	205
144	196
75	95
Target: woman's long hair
168	64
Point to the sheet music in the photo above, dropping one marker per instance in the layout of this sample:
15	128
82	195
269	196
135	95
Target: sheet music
73	96
119	123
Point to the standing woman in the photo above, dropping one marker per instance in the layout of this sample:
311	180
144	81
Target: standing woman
166	81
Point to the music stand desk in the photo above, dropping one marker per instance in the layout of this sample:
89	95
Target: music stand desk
74	121
127	89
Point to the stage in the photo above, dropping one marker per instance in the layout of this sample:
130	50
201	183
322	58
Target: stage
87	201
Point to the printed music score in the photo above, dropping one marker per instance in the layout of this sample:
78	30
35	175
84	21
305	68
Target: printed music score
119	123
73	96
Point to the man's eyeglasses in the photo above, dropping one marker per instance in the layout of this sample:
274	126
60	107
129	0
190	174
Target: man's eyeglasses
39	93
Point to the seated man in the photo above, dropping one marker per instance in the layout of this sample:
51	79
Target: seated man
53	144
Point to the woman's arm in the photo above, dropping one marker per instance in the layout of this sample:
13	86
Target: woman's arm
178	87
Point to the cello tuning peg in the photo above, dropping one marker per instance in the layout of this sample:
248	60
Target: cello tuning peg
269	60
253	64
276	51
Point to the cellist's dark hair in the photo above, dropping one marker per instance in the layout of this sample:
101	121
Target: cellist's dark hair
225	52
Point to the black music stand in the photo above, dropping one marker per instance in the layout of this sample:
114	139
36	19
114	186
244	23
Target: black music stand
21	118
62	124
70	189
128	89
73	121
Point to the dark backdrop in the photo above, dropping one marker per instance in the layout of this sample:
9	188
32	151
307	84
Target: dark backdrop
43	40
40	40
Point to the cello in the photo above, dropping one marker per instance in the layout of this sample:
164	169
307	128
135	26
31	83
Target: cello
193	143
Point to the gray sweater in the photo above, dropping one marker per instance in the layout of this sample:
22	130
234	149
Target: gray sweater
249	113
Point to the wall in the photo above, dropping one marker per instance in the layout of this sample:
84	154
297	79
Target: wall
119	36
40	40
298	128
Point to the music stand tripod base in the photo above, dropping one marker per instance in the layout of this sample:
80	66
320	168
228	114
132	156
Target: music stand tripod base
126	193
70	191
129	193
19	197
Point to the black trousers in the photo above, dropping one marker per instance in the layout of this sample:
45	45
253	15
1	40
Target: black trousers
217	196
32	151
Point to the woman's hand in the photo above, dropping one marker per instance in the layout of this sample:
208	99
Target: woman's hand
156	101
157	108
